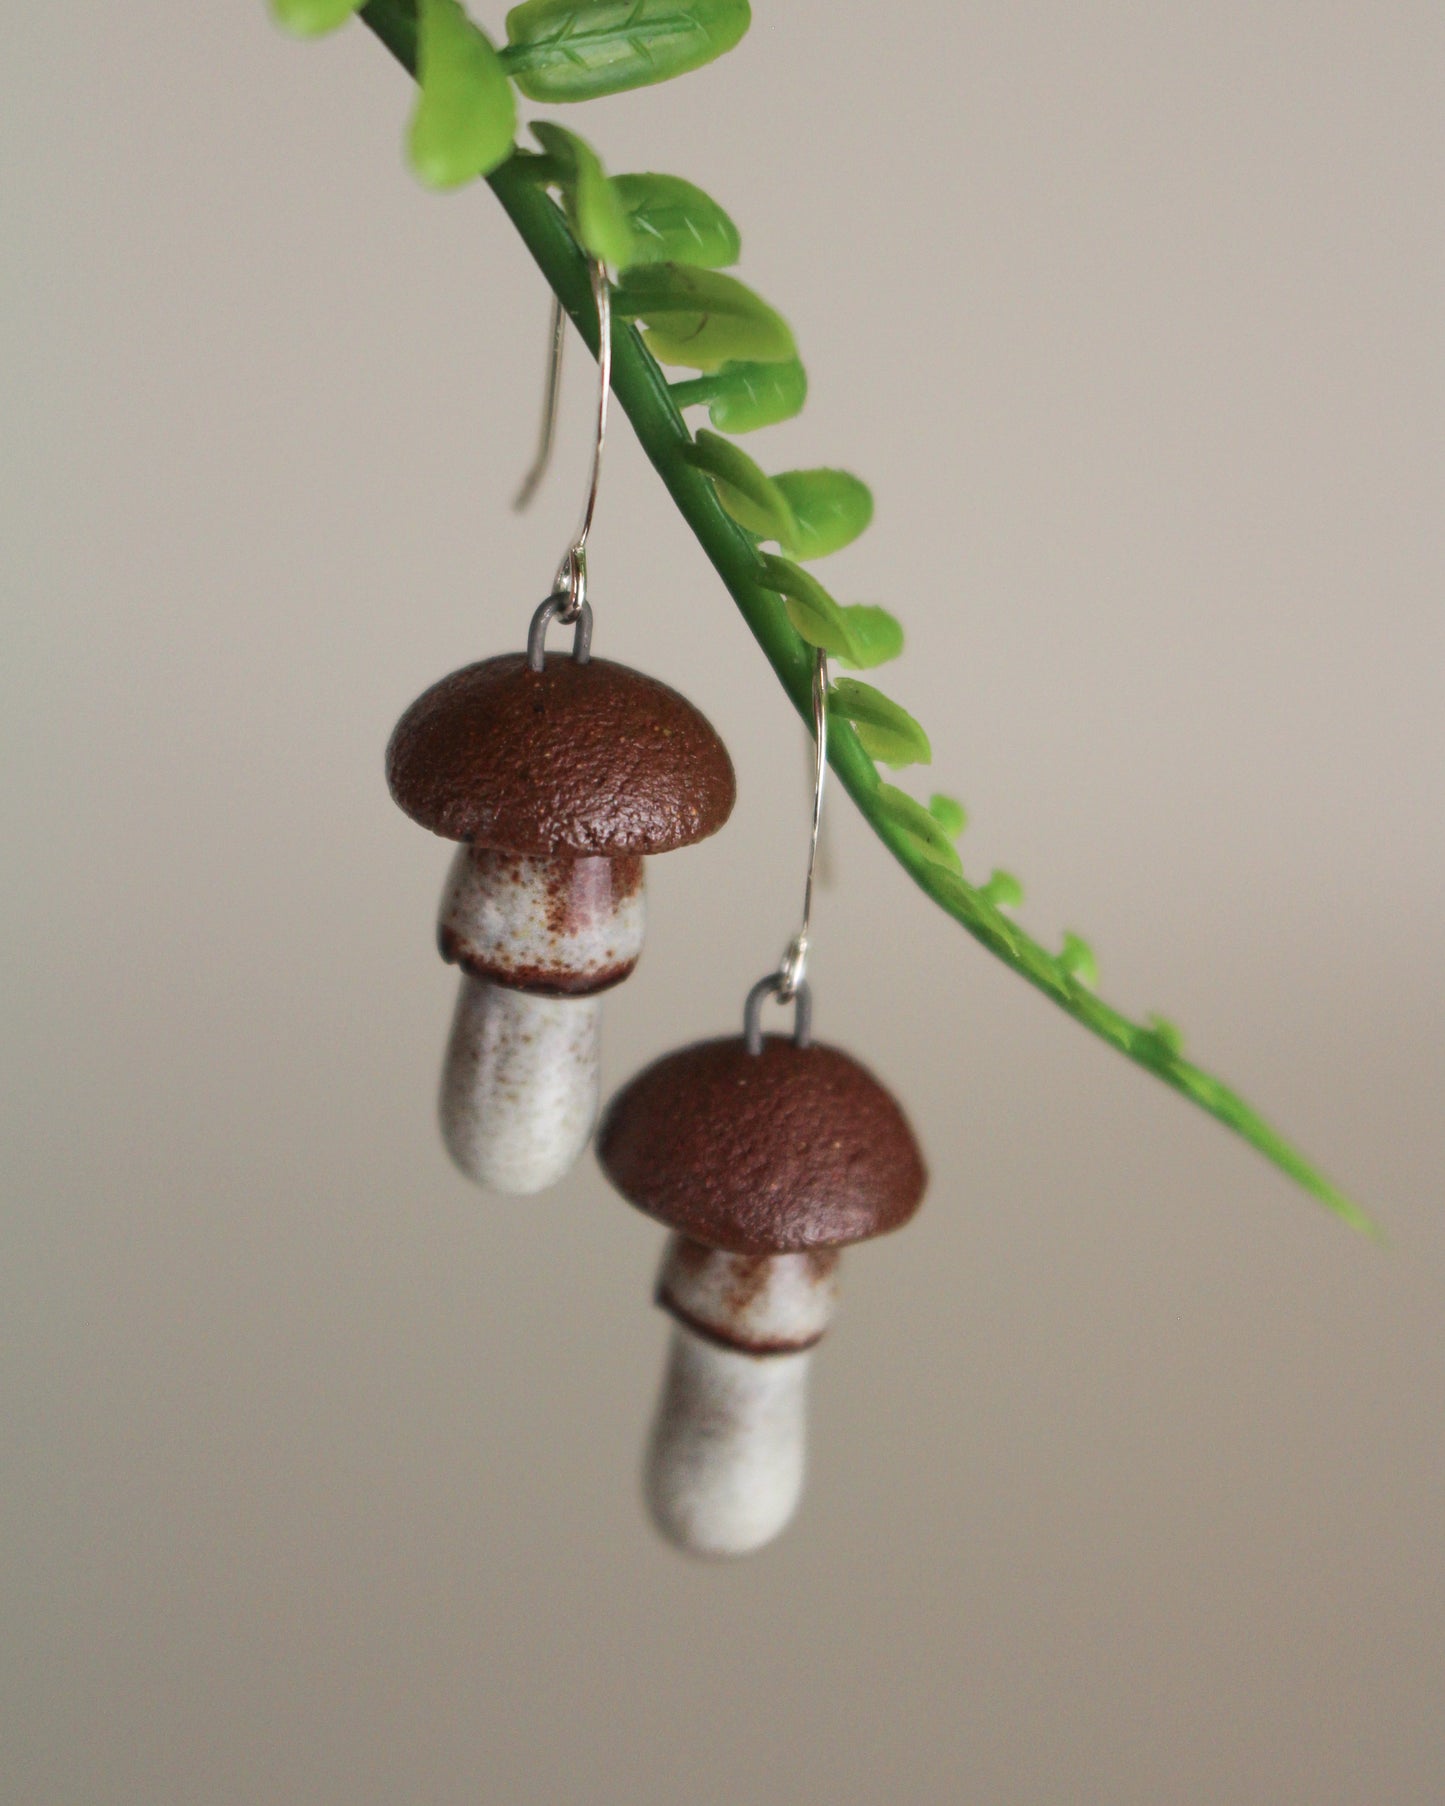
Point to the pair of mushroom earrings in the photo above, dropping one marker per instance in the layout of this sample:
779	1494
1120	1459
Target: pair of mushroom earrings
764	1154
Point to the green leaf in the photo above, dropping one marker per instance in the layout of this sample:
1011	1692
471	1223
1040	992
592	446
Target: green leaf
560	50
701	318
752	498
889	733
595	209
534	166
465	115
1166	1037
742	397
768	506
674	222
831	507
897	807
1076	961
1003	890
813	612
949	813
310	18
860	635
875	634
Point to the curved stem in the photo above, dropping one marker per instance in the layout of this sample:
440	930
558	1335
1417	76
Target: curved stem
693	391
649	403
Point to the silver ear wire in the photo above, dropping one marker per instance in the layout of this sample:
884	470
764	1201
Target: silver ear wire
571	579
556	345
794	967
789	983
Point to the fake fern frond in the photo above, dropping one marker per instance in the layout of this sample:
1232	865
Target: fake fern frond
681	310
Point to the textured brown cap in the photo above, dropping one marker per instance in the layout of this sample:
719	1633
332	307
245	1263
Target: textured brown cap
790	1148
589	758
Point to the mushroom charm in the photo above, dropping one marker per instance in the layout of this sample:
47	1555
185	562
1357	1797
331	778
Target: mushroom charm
558	774
765	1155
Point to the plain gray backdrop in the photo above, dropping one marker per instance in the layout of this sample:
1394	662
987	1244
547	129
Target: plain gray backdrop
319	1467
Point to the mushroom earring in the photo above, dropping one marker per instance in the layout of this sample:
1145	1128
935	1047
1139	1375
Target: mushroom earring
764	1155
558	773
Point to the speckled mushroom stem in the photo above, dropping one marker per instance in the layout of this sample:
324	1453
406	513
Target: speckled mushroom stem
726	1459
538	940
557	774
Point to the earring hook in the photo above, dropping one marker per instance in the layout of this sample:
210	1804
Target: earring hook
789	984
793	969
571	578
556	345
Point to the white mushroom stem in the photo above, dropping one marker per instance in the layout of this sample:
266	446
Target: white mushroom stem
520	1087
538	940
728	1450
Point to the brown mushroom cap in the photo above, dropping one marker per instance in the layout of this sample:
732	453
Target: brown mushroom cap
581	758
767	1153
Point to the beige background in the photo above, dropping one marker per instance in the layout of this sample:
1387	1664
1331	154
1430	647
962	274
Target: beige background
319	1473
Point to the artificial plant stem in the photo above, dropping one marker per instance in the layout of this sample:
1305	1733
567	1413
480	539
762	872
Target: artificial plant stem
649	403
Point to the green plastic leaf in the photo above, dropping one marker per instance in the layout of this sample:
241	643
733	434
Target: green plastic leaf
596	211
465	114
813	612
889	733
876	636
750	496
701	318
1144	1045
560	50
742	397
949	813
897	807
860	636
310	18
768	506
1076	961
536	166
1003	890
831	507
1168	1039
674	222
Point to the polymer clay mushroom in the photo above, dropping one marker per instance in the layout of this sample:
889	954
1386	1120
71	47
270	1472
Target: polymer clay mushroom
765	1155
559	773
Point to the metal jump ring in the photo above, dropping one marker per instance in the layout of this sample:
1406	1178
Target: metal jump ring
553	609
570	583
772	986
